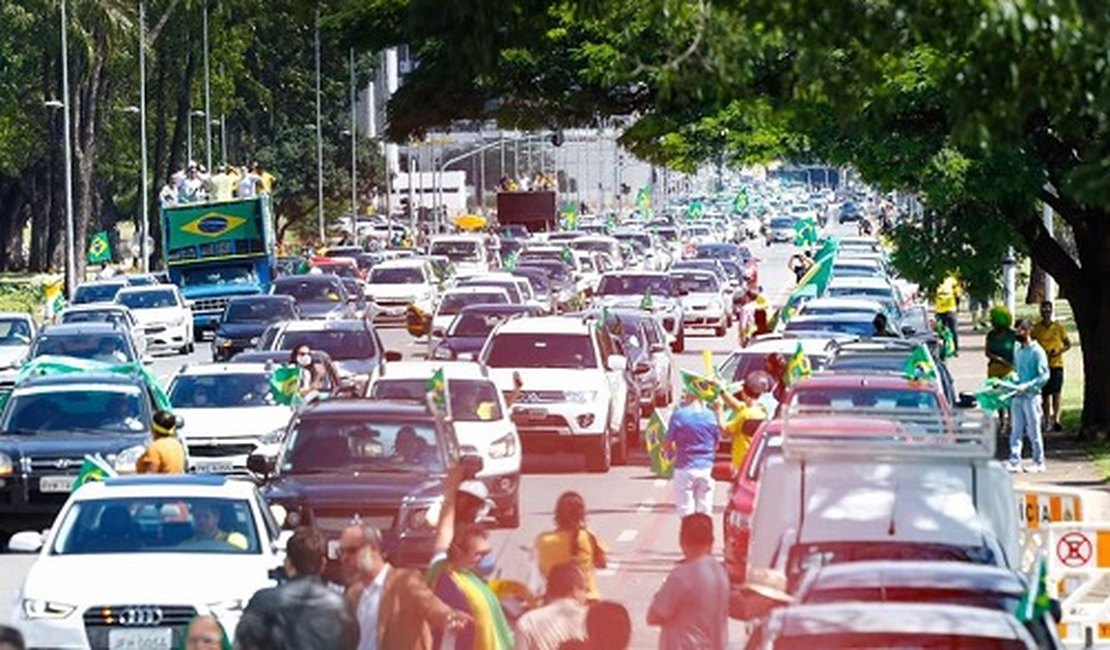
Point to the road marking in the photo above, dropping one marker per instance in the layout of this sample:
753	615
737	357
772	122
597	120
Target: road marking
627	535
646	506
660	483
610	570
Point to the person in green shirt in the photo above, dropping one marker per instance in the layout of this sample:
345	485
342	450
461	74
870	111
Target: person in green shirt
1000	342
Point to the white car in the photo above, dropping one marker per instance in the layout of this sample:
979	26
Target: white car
706	301
165	318
574	395
467	252
130	561
17	330
228	412
480	418
455	299
396	284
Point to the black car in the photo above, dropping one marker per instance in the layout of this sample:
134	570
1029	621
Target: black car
850	212
353	344
471	327
51	422
319	296
885	356
245	318
382	461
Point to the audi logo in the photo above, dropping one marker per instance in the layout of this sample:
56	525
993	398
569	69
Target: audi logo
141	616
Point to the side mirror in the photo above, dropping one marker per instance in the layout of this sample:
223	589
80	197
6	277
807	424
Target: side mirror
617	362
966	401
261	465
472	465
28	541
392	356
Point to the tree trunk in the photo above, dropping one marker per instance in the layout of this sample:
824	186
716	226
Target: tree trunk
1035	292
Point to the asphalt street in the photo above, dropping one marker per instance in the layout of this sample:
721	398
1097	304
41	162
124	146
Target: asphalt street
629	508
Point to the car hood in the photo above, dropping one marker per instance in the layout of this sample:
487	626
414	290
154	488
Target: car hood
125	578
699	298
70	444
550	378
10	355
321	308
395	291
241	330
232	422
363	489
158	315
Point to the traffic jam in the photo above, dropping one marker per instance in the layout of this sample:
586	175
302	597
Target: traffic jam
378	380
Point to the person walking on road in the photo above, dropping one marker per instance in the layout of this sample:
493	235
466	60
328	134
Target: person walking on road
562	617
692	605
1031	366
947	299
571	541
165	454
1052	336
460	582
693	433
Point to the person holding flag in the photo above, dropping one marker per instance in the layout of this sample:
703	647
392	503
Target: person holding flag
692	433
745	407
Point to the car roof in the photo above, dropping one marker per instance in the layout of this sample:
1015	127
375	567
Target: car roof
772	344
273	356
407	263
692	271
544	325
205	369
425	369
842	302
460	237
905	618
147	288
860	282
165	485
368	407
918	575
92	327
862	380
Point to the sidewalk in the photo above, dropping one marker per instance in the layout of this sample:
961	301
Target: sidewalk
1067	461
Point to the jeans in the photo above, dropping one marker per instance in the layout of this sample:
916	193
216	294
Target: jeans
948	318
693	491
1025	419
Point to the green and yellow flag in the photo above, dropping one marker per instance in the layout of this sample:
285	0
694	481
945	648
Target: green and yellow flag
1035	602
797	368
704	388
740	203
662	463
919	365
100	248
570	215
646	302
567	255
285	382
695	210
94	468
947	340
437	386
511	260
643	200
805	232
55	298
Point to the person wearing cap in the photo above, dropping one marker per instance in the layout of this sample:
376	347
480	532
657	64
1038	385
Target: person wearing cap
394	607
745	407
465	501
165	454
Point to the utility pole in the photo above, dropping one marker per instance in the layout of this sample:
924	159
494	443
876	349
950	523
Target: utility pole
354	150
144	225
207	99
71	244
319	141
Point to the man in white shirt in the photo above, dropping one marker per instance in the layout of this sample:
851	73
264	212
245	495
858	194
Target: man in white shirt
563	615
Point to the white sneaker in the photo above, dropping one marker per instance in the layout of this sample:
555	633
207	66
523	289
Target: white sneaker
1015	468
1036	469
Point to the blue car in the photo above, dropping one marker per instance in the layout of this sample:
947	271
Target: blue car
467	334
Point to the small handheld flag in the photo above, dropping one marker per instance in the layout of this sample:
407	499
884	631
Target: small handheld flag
95	468
919	365
704	388
646	302
100	248
798	367
285	382
437	389
662	463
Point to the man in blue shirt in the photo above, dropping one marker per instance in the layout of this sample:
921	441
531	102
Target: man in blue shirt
1031	367
693	433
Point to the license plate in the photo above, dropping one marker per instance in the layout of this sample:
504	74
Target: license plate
57	484
155	638
222	467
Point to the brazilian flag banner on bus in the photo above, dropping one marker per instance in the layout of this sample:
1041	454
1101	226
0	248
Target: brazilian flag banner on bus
662	459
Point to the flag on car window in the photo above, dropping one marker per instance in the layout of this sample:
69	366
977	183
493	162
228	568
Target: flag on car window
1035	602
437	389
285	383
919	365
662	462
995	395
94	468
798	367
704	388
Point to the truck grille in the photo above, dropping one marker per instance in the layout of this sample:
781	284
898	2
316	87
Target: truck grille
210	304
67	464
100	619
219	451
334	520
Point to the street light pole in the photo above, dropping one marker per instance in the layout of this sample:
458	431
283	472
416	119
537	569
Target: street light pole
144	226
207	99
354	148
319	141
71	244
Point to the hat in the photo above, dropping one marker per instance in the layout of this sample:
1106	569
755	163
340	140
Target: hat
476	489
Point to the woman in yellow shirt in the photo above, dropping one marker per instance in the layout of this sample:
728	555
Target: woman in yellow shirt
745	407
572	541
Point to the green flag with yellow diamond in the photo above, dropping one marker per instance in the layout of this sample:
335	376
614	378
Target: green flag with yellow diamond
437	386
662	463
704	388
285	381
100	248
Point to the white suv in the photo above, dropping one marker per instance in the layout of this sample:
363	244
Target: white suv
480	418
394	285
152	553
164	317
574	393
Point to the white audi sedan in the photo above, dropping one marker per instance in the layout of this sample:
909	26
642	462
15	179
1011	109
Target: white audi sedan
131	560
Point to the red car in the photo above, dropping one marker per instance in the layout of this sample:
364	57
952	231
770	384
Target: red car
344	267
767	441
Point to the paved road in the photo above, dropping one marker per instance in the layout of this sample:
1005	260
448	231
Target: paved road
628	507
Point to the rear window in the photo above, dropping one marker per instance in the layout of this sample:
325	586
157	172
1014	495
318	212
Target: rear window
864	397
570	351
148	299
471	400
453	303
87	293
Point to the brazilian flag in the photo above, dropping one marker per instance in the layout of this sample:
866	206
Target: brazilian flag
662	463
947	341
437	388
511	260
995	395
100	248
704	388
646	301
567	255
94	468
285	381
1035	602
805	232
919	365
798	367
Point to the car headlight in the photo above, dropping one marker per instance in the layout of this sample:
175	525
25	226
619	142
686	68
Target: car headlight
503	447
221	342
7	467
127	459
254	340
443	352
425	517
581	396
272	437
38	608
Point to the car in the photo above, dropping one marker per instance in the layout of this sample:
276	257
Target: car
780	229
518	288
166	320
453	301
354	345
737	519
468	253
574	396
950	583
652	291
851	246
564	291
97	341
856	324
739	363
17	330
383	461
394	285
467	333
850	212
99	291
879	289
706	302
108	313
644	343
153	553
319	297
888	357
699	234
230	413
608	246
245	319
841	306
356	296
343	267
479	417
889	625
332	382
51	422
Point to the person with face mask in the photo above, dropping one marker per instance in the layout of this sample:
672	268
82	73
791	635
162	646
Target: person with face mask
311	376
461	582
394	607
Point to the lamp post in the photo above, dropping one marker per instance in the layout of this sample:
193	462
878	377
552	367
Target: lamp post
319	140
144	224
189	134
207	98
354	147
71	245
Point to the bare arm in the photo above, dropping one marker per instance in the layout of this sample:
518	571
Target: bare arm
445	529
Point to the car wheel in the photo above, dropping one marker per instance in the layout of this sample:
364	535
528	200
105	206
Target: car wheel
679	344
599	455
197	336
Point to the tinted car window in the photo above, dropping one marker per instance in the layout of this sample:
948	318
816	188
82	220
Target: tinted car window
473	324
471	400
453	303
627	285
341	345
221	390
87	293
541	351
109	348
402	275
14	331
311	290
354	443
118	410
148	299
95	316
258	311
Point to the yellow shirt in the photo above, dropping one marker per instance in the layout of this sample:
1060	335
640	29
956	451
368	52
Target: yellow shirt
1054	339
947	293
553	549
166	455
735	429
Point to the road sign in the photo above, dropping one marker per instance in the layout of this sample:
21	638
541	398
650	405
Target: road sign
1037	508
1074	550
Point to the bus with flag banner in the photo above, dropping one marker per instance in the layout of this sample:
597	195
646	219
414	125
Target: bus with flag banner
216	251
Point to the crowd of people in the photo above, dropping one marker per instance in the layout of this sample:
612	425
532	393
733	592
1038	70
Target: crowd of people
195	184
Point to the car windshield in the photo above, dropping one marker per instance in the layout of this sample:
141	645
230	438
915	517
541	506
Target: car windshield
362	444
14	331
109	348
848	397
541	286
508	286
95	316
475	324
695	283
88	408
635	285
336	269
396	275
715	252
158	525
862	327
311	290
556	271
341	345
870	362
453	303
782	222
458	251
87	293
147	299
222	275
258	311
541	351
222	390
472	400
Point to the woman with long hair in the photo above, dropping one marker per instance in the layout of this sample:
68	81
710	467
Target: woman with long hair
572	541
